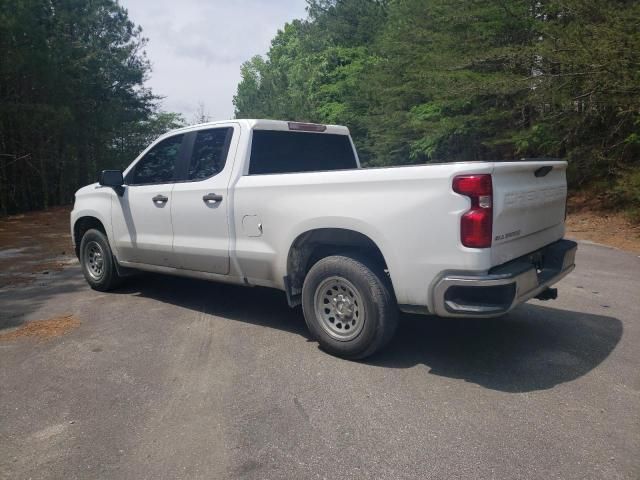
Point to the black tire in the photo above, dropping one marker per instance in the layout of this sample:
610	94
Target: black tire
94	249
380	312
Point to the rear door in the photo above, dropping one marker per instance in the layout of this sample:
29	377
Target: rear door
200	201
529	207
141	218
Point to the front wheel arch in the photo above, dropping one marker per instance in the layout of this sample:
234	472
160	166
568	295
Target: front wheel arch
81	226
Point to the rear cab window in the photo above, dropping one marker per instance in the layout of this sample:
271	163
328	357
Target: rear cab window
275	151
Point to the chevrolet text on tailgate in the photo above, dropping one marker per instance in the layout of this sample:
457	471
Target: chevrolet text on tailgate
286	205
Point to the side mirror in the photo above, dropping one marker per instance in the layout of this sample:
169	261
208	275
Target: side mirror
113	179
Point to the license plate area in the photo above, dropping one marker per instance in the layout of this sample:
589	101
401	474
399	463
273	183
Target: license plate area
536	260
547	262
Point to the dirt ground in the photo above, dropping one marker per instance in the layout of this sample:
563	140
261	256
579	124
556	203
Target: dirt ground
34	244
37	243
608	228
42	329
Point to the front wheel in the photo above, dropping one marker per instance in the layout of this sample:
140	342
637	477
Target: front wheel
96	260
349	306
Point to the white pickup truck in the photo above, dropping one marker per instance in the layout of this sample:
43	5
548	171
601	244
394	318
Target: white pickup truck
286	205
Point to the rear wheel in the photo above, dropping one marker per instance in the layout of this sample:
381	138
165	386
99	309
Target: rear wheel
96	260
349	306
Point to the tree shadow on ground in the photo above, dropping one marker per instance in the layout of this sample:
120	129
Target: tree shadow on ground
18	302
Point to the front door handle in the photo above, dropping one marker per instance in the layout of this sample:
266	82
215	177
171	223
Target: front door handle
212	197
160	199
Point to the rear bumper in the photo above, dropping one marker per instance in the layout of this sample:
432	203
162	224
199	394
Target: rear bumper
504	287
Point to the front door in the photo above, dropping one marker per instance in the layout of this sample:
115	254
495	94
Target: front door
200	203
141	218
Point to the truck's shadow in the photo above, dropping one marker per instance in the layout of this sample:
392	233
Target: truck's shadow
533	348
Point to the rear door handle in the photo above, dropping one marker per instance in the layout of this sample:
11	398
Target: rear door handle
212	197
160	199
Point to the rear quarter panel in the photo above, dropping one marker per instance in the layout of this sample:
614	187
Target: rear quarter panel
411	214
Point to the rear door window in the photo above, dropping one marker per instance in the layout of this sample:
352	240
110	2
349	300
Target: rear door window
292	152
209	153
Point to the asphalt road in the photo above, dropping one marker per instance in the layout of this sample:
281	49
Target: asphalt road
174	378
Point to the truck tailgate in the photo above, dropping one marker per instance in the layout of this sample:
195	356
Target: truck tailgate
529	202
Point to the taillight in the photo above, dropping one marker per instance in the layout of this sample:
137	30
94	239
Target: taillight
477	223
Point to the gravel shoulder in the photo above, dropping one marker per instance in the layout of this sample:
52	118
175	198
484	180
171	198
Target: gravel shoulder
611	229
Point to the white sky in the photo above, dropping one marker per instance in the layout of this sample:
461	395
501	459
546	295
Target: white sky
196	47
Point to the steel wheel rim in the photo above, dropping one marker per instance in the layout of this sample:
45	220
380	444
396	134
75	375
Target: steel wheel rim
94	260
339	308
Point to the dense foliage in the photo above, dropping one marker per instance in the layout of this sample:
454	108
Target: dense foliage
72	99
445	80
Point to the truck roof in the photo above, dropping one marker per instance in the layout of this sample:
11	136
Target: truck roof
264	124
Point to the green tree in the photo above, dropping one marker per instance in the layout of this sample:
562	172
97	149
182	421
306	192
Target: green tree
588	91
446	80
314	69
71	94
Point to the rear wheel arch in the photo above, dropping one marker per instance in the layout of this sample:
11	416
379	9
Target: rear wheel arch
313	245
